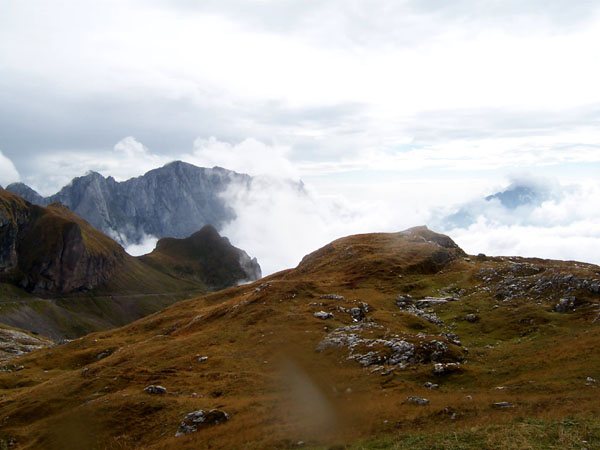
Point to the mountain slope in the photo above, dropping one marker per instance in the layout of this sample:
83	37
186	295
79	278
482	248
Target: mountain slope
325	355
175	200
62	278
51	250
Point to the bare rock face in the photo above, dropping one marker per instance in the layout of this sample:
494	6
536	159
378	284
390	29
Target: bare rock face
175	200
50	250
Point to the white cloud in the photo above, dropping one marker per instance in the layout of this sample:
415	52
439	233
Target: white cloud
146	245
565	225
249	156
129	158
279	221
8	171
579	241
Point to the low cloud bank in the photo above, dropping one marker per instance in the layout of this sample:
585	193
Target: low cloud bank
280	221
554	221
146	245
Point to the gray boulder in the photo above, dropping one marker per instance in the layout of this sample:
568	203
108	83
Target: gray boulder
159	390
565	305
323	315
417	401
198	419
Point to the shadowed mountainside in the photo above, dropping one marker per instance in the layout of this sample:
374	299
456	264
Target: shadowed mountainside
431	347
51	250
204	256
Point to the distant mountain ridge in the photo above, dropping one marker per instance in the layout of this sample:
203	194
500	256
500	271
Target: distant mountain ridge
175	200
516	197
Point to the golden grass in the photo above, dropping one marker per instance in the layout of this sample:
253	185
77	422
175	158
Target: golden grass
263	370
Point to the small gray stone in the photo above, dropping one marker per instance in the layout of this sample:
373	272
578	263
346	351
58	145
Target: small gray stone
197	419
323	315
155	389
503	405
357	314
417	401
565	305
445	368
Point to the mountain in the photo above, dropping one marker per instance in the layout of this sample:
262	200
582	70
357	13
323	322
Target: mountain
51	250
393	340
204	256
518	195
175	201
61	277
512	203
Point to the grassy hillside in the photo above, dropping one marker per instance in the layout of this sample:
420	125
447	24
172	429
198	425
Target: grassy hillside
516	339
62	278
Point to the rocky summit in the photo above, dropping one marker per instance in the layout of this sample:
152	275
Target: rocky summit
175	200
396	340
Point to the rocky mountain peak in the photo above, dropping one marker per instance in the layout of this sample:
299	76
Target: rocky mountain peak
173	200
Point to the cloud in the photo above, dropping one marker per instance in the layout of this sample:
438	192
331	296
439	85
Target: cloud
8	171
146	245
249	156
579	241
279	221
561	222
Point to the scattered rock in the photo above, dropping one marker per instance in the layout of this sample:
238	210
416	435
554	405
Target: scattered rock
332	297
502	405
202	359
155	389
198	419
19	368
323	315
446	368
404	301
103	354
472	318
417	400
357	314
565	305
430	302
430	385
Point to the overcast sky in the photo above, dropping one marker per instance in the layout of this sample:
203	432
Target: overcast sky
413	102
